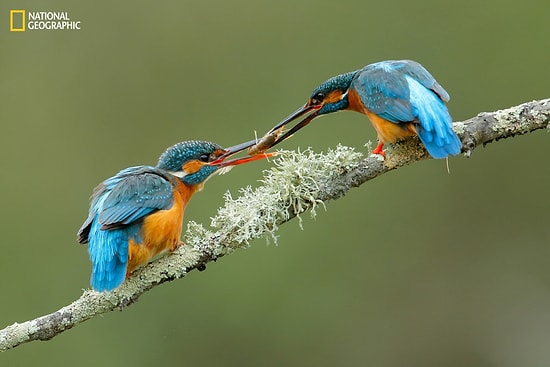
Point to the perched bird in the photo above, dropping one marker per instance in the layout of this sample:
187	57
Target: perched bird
138	213
401	99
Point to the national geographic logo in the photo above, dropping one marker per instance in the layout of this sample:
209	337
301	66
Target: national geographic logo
26	20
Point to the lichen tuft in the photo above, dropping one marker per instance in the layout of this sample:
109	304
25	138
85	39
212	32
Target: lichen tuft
289	188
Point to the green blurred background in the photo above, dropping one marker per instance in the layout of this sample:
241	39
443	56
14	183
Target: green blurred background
416	268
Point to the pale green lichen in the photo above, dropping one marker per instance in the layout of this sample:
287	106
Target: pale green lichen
503	119
289	188
459	127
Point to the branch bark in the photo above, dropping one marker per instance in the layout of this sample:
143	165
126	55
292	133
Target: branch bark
298	191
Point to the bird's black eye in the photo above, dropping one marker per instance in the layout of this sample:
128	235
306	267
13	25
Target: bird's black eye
204	157
317	98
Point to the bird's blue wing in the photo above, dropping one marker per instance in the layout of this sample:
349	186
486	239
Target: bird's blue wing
384	88
127	197
434	122
133	196
423	76
384	91
404	91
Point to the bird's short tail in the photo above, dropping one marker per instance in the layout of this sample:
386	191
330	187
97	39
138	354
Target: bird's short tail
435	125
108	251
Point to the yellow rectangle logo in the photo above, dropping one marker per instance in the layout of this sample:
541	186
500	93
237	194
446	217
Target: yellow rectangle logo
13	26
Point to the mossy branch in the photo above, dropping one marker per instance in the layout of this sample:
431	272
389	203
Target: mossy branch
298	182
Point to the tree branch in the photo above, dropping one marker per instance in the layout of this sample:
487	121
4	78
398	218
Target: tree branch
300	181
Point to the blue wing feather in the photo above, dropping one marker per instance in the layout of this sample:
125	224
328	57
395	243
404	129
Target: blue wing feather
423	76
404	91
109	255
135	193
435	124
117	207
384	92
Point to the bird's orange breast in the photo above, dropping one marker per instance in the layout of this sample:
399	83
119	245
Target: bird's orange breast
161	231
388	132
354	102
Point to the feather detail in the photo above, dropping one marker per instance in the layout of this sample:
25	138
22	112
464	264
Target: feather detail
435	124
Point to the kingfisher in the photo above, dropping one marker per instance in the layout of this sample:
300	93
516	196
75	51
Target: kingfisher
137	214
400	98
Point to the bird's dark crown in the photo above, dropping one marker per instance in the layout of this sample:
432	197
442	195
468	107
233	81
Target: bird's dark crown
332	93
191	158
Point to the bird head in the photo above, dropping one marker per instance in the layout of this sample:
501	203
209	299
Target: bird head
195	161
330	96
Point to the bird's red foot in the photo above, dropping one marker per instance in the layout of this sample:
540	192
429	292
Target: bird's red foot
176	245
378	150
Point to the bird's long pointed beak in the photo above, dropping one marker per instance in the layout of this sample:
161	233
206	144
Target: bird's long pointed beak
269	140
223	162
276	134
297	127
294	115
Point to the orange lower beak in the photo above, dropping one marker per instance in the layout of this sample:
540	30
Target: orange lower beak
221	161
237	161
